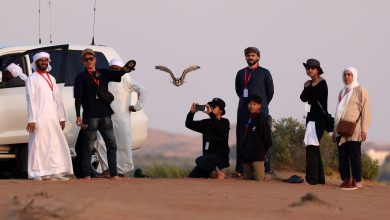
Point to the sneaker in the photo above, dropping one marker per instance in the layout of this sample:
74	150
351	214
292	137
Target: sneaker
349	185
58	177
343	184
358	184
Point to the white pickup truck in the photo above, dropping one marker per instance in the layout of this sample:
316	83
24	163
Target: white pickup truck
66	64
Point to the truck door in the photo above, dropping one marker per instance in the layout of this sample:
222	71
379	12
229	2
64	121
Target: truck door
13	105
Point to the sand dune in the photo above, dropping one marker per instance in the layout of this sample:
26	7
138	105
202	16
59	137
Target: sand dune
188	199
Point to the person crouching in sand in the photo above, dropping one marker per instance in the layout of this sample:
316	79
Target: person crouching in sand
215	131
256	142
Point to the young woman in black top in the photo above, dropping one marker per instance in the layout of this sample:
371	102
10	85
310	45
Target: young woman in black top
315	93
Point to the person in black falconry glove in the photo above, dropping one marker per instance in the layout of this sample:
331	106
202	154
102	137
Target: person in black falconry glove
91	92
215	131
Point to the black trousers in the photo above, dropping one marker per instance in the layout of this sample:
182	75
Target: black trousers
205	165
242	117
106	129
78	161
314	169
350	159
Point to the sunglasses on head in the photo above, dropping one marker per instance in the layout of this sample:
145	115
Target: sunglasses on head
86	59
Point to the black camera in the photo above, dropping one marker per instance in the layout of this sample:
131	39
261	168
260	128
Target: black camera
200	107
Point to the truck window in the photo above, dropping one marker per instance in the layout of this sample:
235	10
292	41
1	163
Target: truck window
9	81
75	66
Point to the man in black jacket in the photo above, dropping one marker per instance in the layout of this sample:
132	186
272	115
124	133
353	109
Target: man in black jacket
215	132
96	112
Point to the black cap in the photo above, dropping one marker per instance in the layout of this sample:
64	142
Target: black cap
218	102
252	50
313	63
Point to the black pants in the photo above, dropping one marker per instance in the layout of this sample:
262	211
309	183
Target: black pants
314	168
106	129
242	117
79	148
205	165
350	159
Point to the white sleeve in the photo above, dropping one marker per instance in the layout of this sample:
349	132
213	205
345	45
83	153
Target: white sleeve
58	99
133	86
31	105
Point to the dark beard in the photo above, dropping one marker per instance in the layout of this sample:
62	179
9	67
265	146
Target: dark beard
40	68
252	62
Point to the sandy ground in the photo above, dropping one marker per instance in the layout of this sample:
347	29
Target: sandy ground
188	199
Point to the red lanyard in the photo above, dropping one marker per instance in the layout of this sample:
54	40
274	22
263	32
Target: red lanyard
97	81
49	82
247	79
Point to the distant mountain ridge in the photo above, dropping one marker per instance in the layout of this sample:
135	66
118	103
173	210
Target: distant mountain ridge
179	145
176	145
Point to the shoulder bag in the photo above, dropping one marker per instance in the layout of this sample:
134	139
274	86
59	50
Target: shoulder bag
329	120
346	128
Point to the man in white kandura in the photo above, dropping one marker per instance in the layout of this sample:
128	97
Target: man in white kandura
48	152
121	120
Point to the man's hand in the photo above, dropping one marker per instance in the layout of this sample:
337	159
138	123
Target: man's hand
193	108
79	121
30	127
364	136
62	124
132	109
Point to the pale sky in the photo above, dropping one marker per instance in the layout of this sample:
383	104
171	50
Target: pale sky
213	35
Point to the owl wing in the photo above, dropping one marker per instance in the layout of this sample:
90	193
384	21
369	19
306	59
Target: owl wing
165	69
187	70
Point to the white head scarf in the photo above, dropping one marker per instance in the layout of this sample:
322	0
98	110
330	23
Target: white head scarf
354	72
346	93
38	56
16	71
116	62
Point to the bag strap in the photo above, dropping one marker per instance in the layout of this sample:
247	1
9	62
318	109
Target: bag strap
358	117
357	120
325	112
